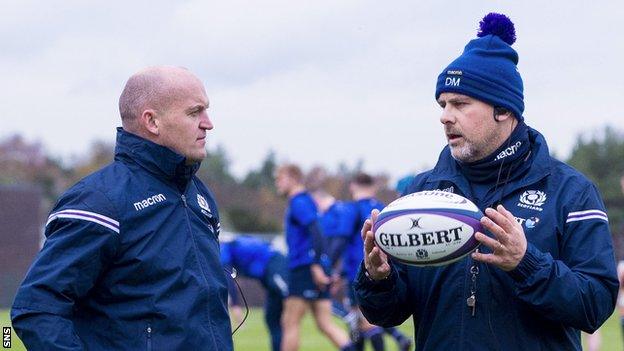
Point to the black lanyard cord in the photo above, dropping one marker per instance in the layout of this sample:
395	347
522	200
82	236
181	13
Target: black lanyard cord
233	274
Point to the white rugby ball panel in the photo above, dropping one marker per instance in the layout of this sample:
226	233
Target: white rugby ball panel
432	199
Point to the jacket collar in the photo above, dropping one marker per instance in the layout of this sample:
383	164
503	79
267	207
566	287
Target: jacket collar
157	159
447	168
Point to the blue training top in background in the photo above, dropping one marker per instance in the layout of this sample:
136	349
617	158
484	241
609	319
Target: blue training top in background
354	252
338	220
300	215
248	255
337	224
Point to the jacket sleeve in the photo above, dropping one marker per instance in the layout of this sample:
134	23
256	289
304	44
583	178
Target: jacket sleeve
580	288
82	238
384	302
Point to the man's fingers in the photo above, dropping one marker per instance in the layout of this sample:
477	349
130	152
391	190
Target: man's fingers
486	258
377	264
375	260
492	243
369	222
500	219
383	255
498	232
365	228
369	242
498	224
510	217
377	257
374	215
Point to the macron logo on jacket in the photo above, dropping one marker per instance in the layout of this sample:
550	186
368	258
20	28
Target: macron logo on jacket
149	202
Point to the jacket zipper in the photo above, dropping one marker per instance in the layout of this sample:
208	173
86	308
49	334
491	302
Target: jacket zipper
184	201
149	337
201	268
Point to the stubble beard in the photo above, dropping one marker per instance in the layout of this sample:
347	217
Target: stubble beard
472	151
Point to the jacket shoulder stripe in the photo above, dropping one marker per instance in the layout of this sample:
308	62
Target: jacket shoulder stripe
586	212
86	216
582	218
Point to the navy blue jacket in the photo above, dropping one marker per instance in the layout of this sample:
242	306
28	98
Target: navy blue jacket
130	262
566	281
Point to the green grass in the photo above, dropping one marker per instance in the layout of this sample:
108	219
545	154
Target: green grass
253	337
5	321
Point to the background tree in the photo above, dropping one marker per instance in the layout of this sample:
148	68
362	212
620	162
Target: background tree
24	163
600	156
99	154
216	168
262	177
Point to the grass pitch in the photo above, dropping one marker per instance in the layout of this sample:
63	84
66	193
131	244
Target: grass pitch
253	335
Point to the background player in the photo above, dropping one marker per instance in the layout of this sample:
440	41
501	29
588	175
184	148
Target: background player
256	259
308	282
363	189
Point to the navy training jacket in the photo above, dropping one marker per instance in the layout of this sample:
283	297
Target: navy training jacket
130	262
565	283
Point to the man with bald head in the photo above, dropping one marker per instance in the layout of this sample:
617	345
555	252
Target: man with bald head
153	105
131	257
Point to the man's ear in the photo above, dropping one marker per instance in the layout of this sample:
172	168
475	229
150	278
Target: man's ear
501	114
150	121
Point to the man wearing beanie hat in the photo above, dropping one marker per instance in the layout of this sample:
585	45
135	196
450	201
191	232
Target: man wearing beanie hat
545	269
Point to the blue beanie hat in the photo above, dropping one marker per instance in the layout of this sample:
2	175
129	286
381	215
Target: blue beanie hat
487	70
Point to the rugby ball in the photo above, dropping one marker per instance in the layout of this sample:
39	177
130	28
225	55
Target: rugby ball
428	228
